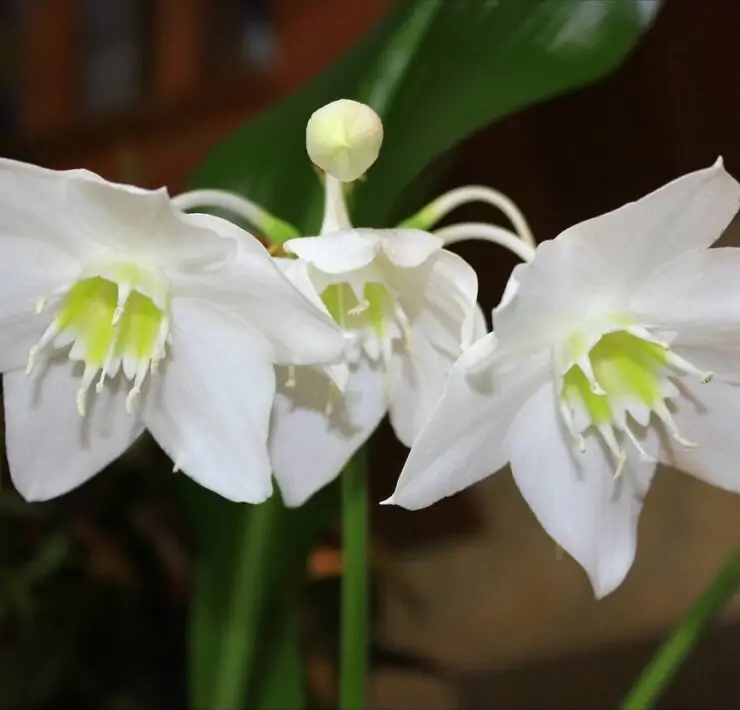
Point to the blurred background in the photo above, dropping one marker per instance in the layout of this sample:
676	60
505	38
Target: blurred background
474	607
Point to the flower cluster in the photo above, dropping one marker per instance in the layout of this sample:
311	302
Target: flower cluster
616	345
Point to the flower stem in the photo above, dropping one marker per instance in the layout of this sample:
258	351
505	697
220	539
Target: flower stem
668	660
247	600
353	663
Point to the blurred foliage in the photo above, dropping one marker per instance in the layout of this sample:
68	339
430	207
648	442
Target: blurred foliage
93	592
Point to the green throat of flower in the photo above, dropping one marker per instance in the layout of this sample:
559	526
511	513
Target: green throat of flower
375	316
627	372
355	313
116	321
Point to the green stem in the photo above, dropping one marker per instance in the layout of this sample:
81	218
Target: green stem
668	660
247	600
353	662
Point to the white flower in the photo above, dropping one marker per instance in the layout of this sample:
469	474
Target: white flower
119	313
409	305
600	364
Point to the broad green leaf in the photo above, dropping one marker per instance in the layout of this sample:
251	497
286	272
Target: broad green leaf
436	71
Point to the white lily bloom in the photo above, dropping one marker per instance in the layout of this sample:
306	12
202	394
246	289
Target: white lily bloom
600	366
119	313
410	306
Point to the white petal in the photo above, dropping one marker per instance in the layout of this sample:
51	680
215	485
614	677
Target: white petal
440	299
40	251
253	288
337	252
706	414
440	303
139	224
574	495
30	270
407	248
309	448
474	328
594	267
35	205
697	295
51	448
209	406
464	440
419	379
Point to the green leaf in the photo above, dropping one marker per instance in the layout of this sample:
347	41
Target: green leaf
436	71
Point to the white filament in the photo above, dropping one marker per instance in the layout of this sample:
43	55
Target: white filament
489	233
478	193
221	199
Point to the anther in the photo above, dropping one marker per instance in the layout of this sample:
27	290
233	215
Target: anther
361	307
687	368
87	377
665	416
644	455
567	415
584	364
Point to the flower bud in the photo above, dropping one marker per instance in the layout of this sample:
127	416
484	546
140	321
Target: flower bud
343	138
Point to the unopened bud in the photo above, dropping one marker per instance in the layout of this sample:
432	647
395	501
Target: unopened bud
343	138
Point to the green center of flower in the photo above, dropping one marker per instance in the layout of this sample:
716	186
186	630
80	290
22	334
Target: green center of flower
374	318
627	372
374	315
356	314
117	320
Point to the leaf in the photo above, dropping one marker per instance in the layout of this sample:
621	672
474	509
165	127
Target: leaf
436	71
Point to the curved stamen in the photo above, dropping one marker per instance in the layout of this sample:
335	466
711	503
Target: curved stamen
453	199
489	233
275	229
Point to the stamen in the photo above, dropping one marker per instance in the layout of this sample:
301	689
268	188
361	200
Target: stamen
124	291
610	440
142	368
570	425
686	368
405	323
361	307
621	462
644	455
665	416
87	377
41	304
647	336
584	364
31	364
